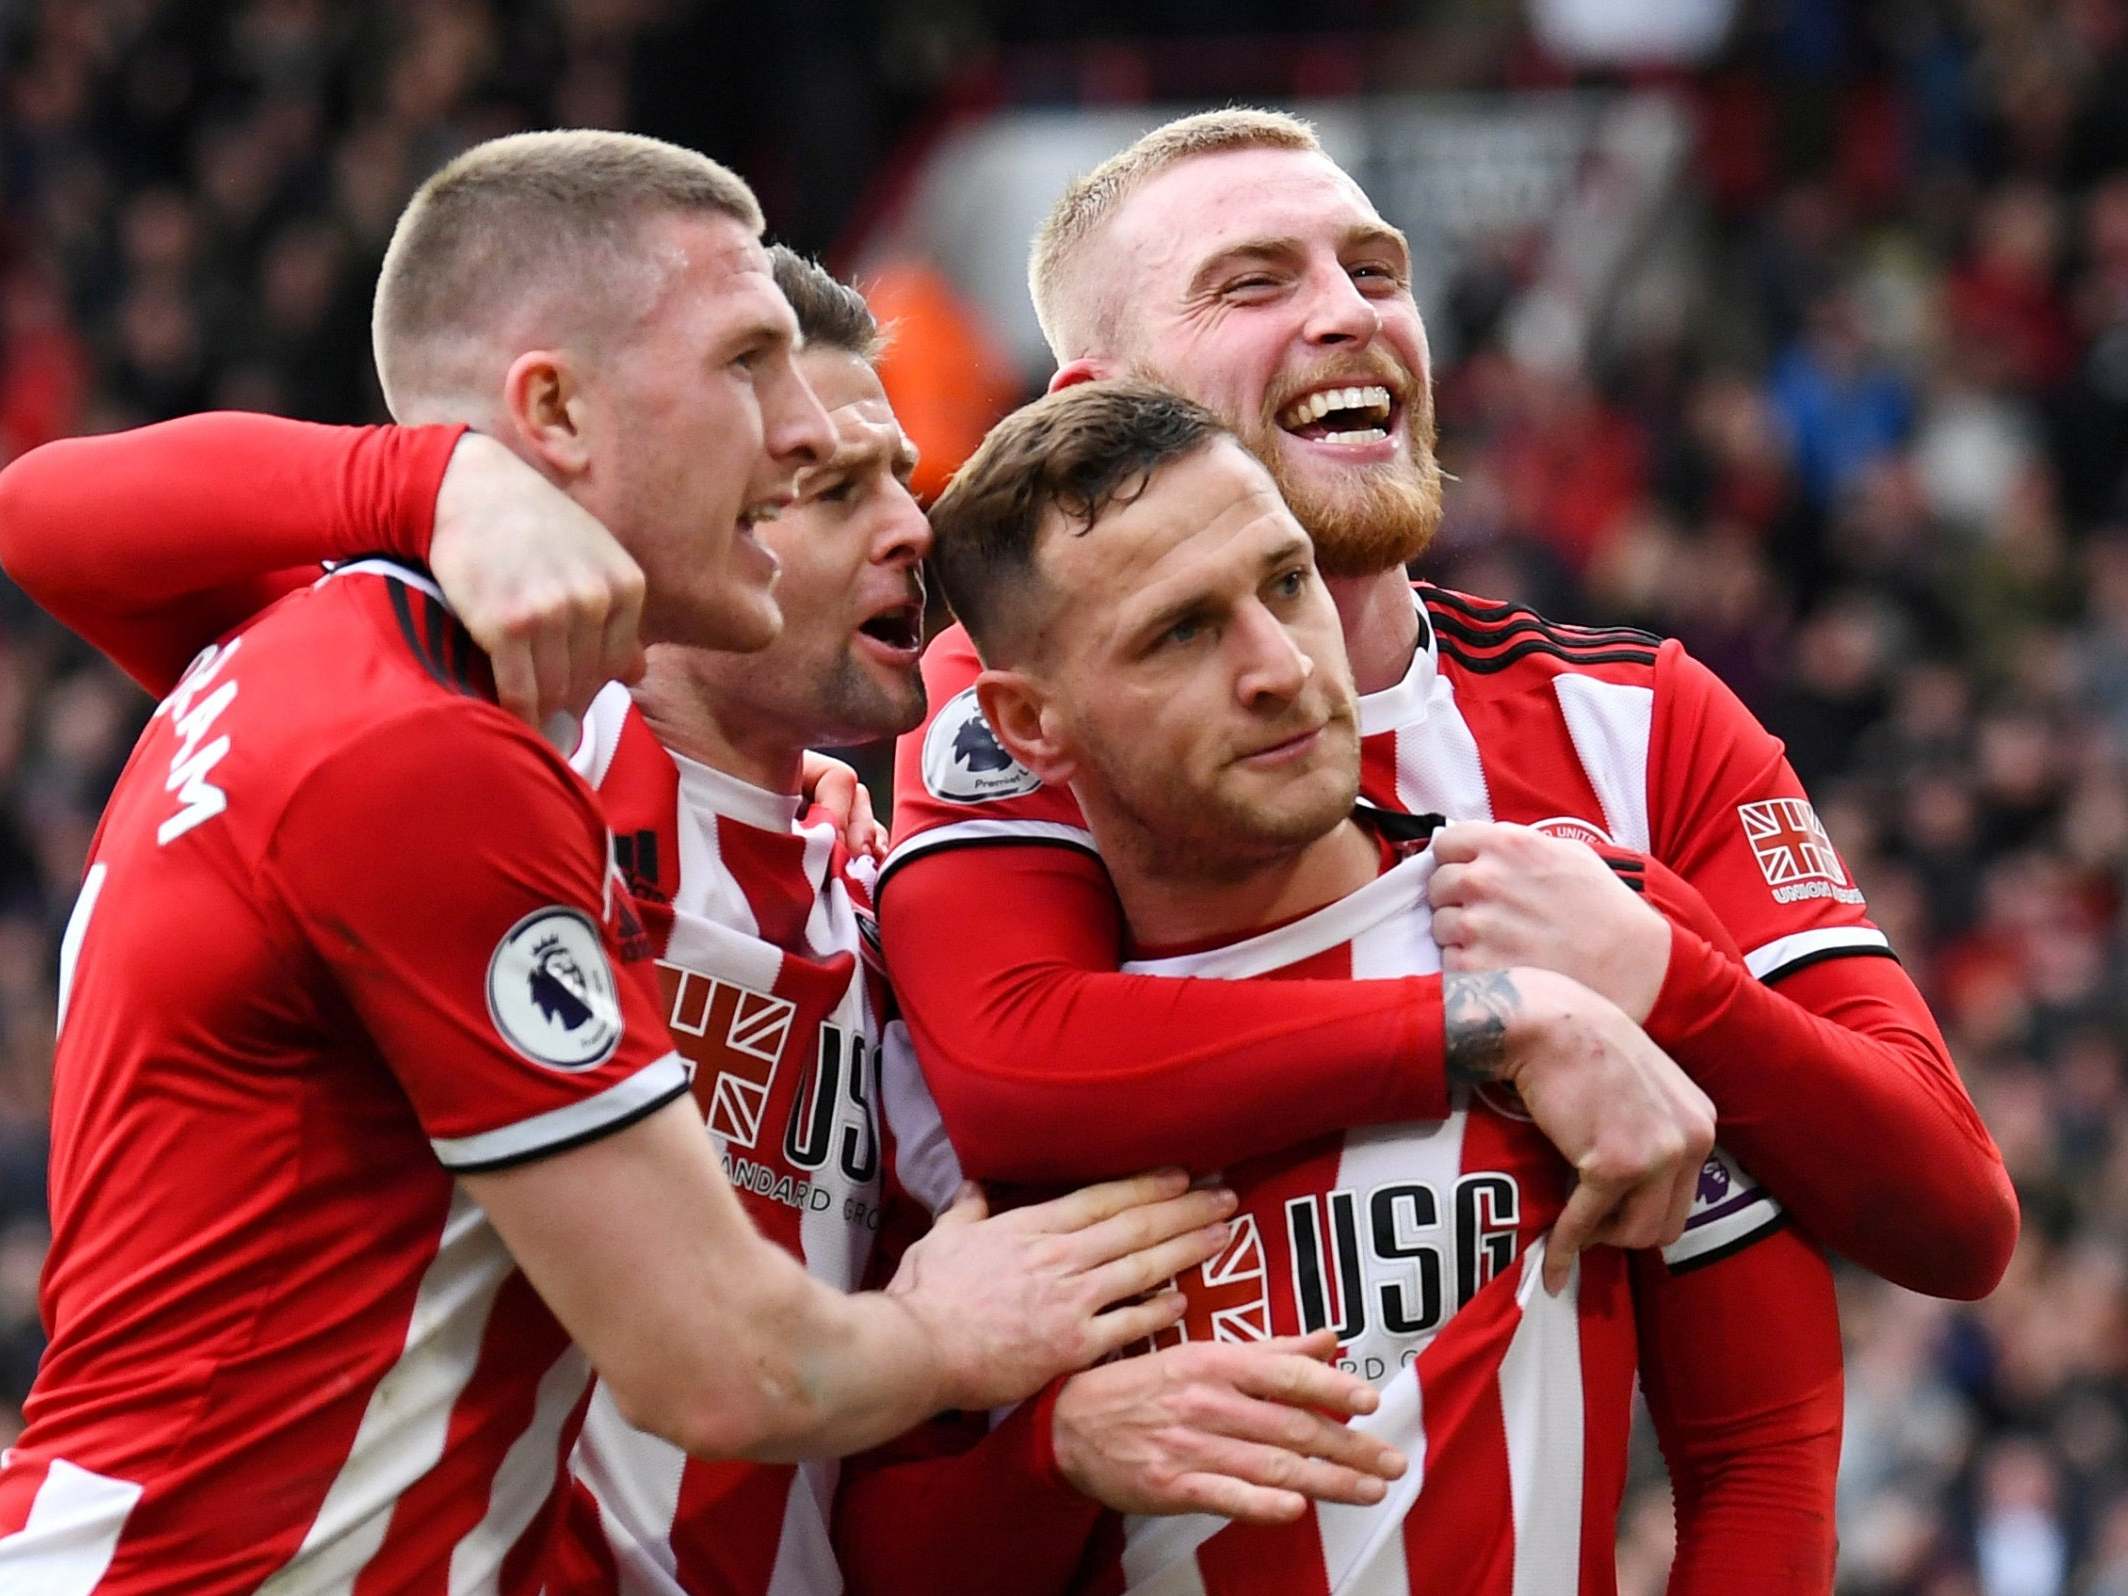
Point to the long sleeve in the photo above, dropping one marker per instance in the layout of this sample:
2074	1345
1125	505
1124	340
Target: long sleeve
1835	1088
1832	1083
1048	1064
152	543
1740	1362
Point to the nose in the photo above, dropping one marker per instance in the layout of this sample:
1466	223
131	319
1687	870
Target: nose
1338	313
1270	667
793	422
904	535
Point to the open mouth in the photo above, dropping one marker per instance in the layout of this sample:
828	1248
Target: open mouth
1355	415
900	628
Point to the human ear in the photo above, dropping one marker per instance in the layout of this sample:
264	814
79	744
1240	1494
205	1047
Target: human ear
544	404
1088	368
1018	710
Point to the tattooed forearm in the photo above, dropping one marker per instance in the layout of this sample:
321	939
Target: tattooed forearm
1478	1009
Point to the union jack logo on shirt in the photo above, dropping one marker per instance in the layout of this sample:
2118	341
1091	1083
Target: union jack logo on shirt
1229	1296
741	1034
1791	843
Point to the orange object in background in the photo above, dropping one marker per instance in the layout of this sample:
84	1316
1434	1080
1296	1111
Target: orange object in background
947	377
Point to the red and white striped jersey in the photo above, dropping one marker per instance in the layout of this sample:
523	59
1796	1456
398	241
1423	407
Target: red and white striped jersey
1421	1245
1608	733
347	932
761	926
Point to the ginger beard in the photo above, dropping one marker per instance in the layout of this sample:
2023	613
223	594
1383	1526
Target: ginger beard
1375	516
1365	517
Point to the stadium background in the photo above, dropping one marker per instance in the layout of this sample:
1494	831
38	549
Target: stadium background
1842	401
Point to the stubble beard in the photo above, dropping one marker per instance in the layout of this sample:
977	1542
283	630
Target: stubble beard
1219	835
851	706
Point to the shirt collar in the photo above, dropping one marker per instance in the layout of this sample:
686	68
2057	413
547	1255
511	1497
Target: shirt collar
1405	703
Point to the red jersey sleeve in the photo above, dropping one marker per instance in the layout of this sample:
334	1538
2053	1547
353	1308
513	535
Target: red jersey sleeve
1727	813
1050	1065
988	1503
455	878
1740	1362
152	543
1830	1078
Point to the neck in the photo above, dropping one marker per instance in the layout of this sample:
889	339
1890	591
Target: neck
1168	903
684	716
1381	626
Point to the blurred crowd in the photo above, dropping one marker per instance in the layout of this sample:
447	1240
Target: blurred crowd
1862	442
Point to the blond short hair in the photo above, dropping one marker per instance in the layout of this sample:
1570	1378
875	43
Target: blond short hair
554	215
1082	209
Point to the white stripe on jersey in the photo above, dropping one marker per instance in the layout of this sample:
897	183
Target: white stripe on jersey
1363	1547
1394	901
1541	1404
1610	723
601	737
924	1159
1438	770
637	1479
71	1533
664	1077
1160	1554
831	1245
525	1481
697	944
77	928
1775	956
805	1552
408	1418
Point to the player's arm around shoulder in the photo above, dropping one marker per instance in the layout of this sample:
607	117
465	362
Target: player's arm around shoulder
481	938
1741	1364
1871	1138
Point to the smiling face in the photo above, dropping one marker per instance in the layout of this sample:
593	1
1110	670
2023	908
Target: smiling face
696	426
1192	672
1262	284
851	548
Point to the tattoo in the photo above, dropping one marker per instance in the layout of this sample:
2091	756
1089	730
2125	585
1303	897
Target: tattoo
1477	1010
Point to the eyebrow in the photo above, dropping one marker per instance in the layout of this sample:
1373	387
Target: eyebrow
766	328
1183	608
848	459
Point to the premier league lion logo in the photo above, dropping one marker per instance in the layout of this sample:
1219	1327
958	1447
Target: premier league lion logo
551	991
557	986
976	748
1713	1181
964	763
